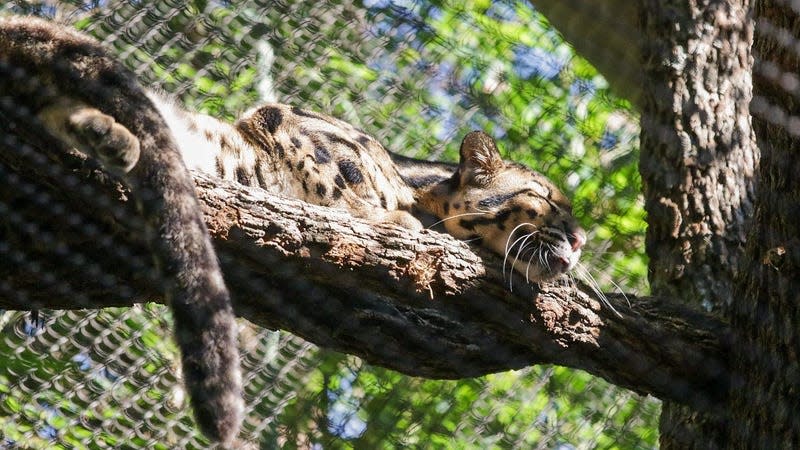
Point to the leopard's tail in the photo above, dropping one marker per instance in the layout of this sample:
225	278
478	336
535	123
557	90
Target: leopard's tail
71	64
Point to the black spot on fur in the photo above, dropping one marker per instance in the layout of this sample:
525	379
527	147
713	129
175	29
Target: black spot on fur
322	155
456	205
468	224
363	140
300	165
503	215
270	118
242	176
418	182
339	181
455	180
296	142
446	207
475	239
281	151
220	167
532	214
337	139
383	201
552	205
321	190
337	193
350	171
304	113
288	164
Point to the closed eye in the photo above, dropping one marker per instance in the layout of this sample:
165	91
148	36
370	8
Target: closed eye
497	200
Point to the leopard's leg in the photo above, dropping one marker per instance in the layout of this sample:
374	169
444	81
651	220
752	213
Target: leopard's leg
91	132
402	218
397	217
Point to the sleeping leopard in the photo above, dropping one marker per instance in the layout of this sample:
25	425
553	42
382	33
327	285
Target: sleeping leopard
95	105
297	153
310	156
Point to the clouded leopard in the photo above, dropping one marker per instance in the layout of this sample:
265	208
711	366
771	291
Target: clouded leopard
319	159
98	108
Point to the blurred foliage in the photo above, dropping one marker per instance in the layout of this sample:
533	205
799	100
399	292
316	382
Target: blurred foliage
417	75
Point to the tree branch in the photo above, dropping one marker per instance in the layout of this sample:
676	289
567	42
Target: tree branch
422	303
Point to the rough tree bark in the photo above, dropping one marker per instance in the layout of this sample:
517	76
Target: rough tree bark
698	65
699	164
766	398
698	161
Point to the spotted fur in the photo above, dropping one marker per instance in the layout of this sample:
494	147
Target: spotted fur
504	206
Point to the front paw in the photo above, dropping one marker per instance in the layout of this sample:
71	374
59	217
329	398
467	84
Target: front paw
402	218
100	135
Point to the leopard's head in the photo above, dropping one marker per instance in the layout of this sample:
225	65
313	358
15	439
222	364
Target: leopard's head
514	211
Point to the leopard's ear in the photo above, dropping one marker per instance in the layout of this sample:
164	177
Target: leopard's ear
480	159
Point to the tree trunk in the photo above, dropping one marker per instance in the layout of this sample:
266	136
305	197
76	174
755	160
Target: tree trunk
765	400
697	163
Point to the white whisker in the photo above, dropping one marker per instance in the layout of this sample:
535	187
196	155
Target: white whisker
480	213
516	258
619	289
595	286
522	247
509	247
509	244
528	267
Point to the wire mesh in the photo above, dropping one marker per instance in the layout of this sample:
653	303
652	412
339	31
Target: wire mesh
416	75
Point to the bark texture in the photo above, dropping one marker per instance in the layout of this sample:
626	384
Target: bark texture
766	399
421	303
698	164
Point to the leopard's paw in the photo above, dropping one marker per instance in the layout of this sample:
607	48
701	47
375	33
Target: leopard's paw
402	218
100	135
92	132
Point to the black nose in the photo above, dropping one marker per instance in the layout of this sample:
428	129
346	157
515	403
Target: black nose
576	238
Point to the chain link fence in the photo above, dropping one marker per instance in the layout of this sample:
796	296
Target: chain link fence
417	76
